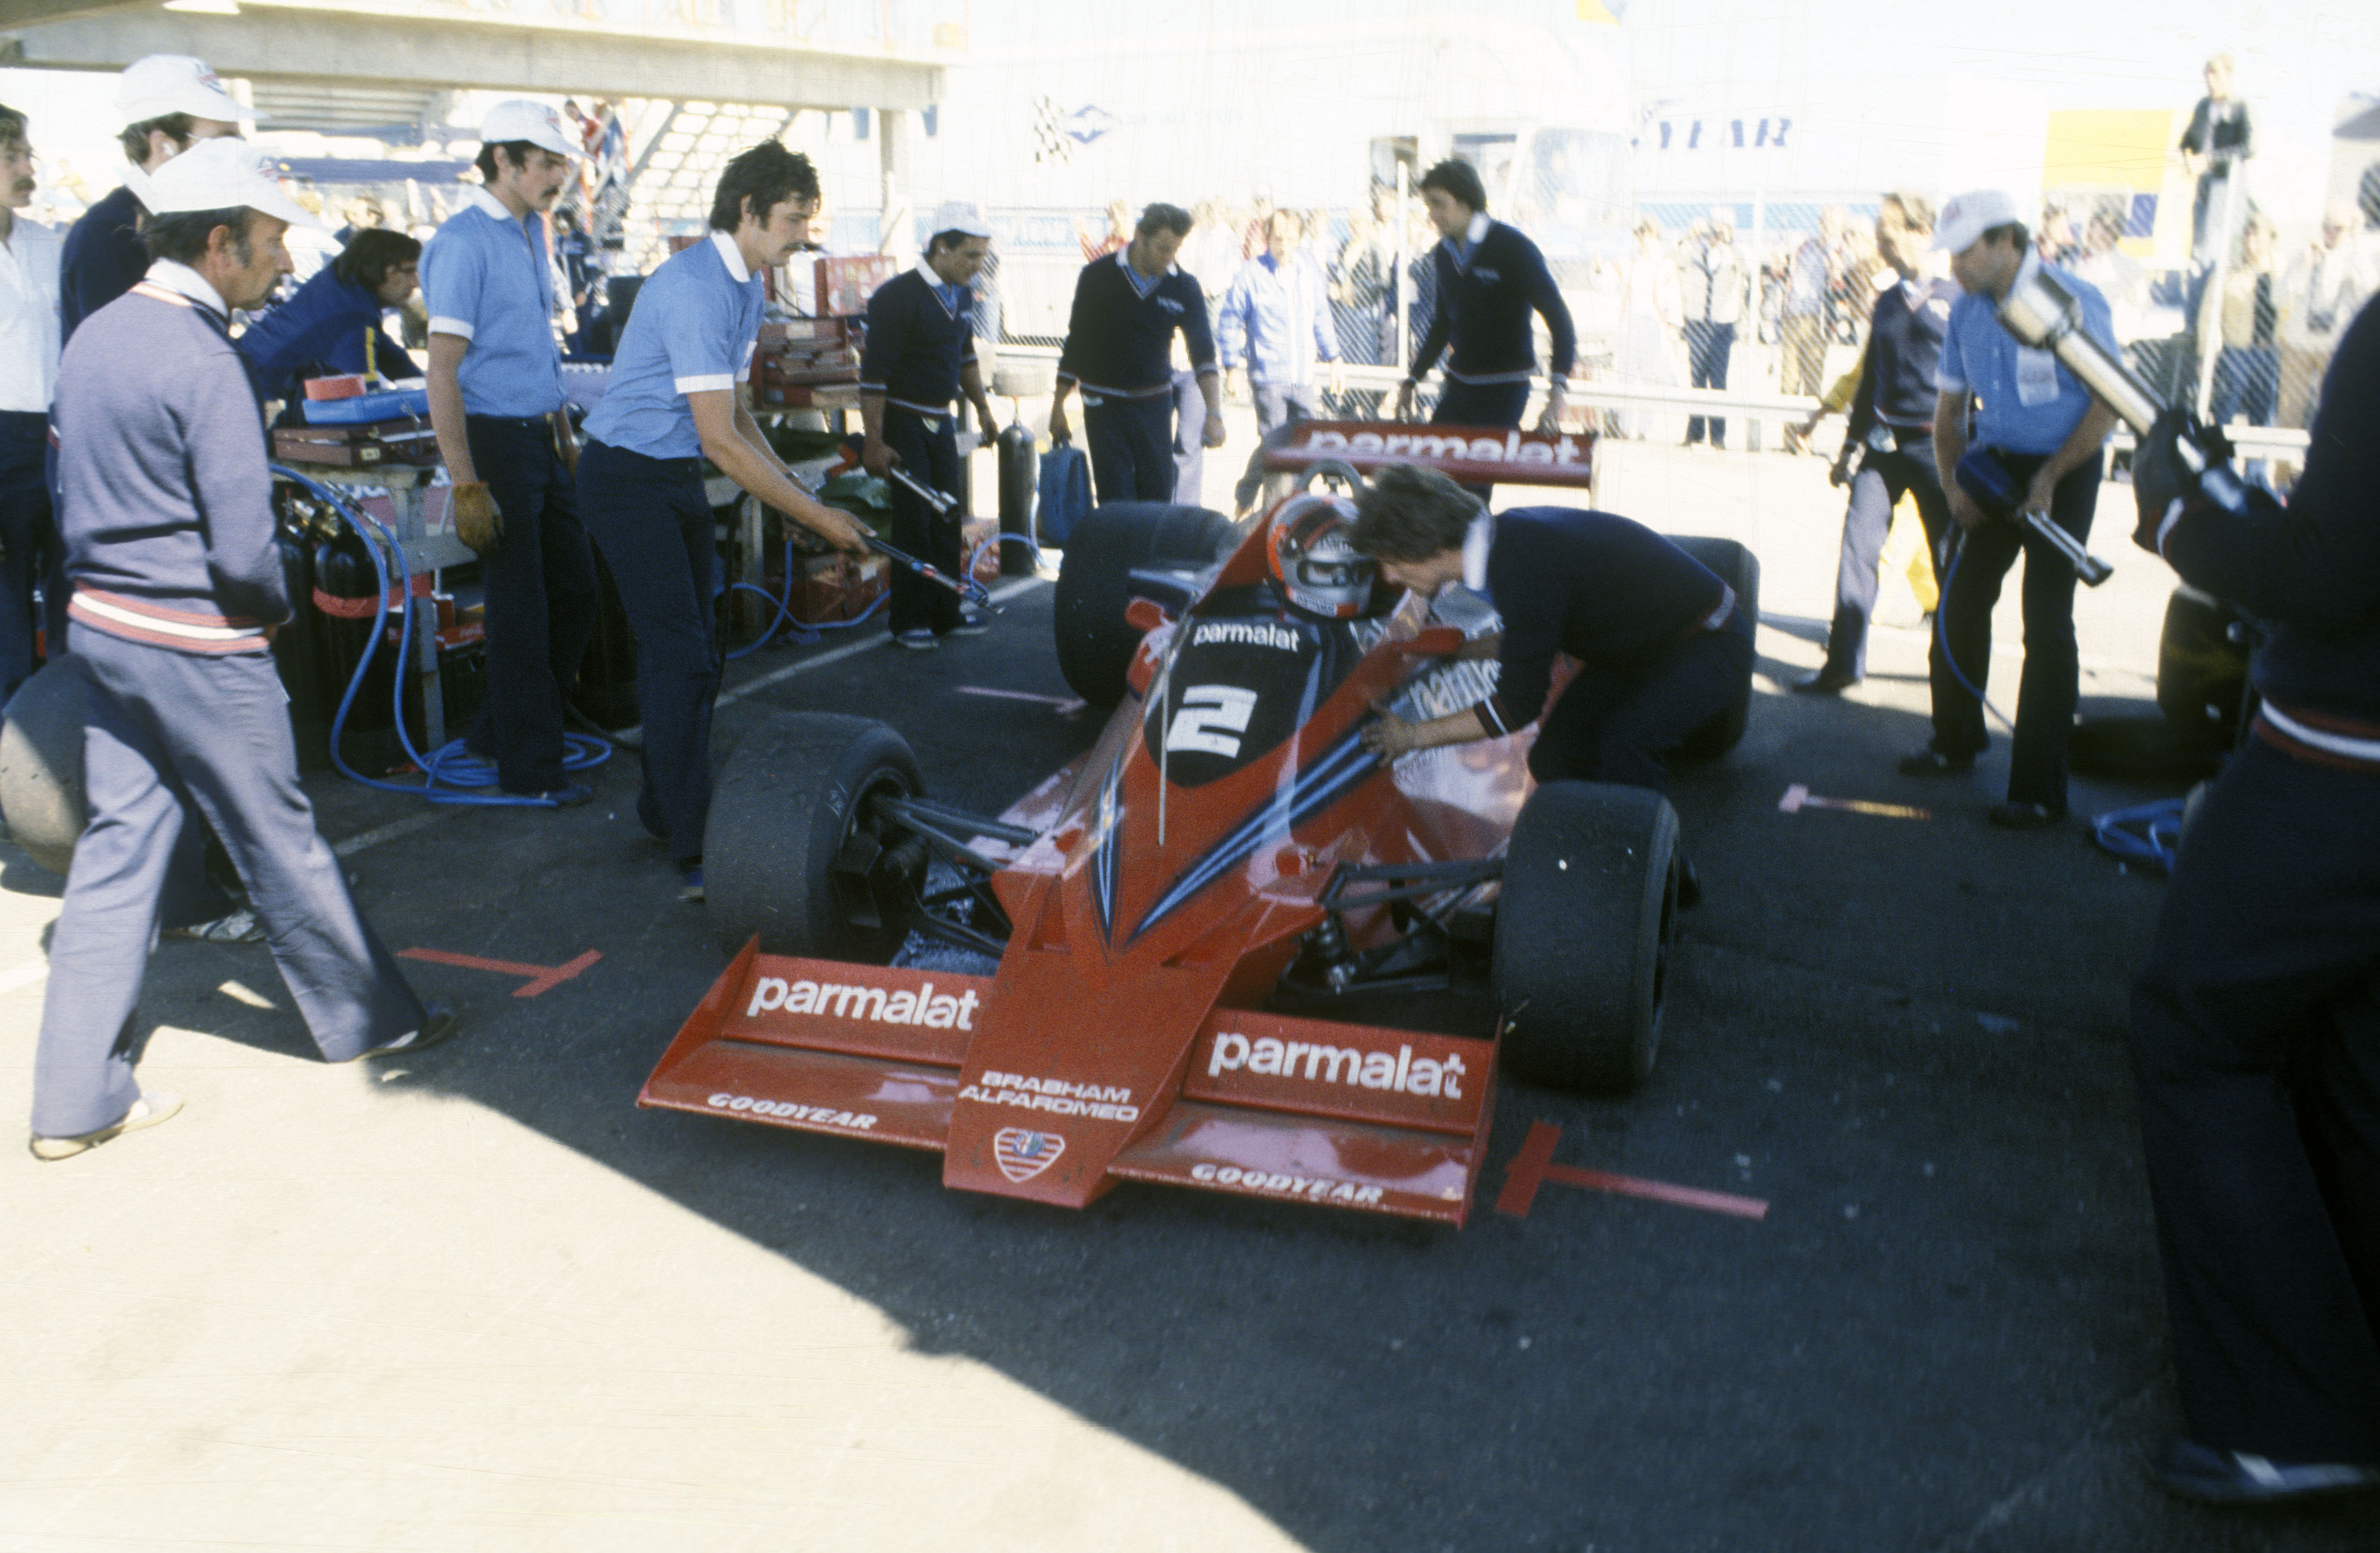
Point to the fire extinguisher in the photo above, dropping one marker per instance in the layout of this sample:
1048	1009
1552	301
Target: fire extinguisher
1020	476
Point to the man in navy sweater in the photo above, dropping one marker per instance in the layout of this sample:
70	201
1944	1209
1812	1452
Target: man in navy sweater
1662	643
170	103
2255	1030
1119	350
920	358
321	328
168	523
1891	433
1490	280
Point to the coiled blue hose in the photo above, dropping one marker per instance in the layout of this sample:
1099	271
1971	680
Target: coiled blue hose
450	764
803	631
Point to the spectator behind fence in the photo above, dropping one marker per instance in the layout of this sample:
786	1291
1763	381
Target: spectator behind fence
1364	292
1273	325
1650	304
1716	287
2055	242
1802	320
2247	369
2214	149
2325	286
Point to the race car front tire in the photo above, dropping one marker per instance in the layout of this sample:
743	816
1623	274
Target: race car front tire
1581	960
784	805
1095	641
1740	569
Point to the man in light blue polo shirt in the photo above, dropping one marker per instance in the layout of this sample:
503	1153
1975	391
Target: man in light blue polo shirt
2045	430
673	401
495	401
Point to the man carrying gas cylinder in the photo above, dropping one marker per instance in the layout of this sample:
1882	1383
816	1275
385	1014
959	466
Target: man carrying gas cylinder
2256	1025
168	519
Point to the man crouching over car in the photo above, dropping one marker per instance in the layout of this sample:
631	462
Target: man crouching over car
1663	646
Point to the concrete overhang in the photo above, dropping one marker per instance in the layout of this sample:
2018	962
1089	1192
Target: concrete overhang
464	56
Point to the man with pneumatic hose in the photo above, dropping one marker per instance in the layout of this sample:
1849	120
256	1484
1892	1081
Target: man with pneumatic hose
168	525
2256	1025
673	402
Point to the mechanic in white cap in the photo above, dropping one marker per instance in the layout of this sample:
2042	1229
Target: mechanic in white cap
920	358
168	522
495	401
169	102
2045	430
673	399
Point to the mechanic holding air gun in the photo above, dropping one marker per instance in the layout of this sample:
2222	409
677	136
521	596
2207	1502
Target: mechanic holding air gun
675	400
1663	644
920	356
2044	431
2256	1025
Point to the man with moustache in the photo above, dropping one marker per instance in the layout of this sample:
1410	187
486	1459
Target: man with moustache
29	372
495	403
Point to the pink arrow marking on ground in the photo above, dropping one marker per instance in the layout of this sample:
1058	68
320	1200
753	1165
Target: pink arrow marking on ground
1798	797
1066	705
1534	1166
542	978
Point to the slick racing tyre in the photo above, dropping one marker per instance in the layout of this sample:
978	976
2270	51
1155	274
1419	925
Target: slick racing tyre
1740	569
1582	930
41	765
790	805
1095	642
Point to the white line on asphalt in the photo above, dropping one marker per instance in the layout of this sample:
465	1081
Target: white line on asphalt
1005	590
389	831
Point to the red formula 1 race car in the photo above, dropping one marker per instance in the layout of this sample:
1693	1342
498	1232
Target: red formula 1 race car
1090	988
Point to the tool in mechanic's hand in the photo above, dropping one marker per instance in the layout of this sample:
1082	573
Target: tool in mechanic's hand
920	490
1992	488
969	588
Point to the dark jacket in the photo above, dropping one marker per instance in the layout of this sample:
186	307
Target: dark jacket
318	332
1904	344
1484	305
917	347
1601	588
1120	341
102	259
2310	569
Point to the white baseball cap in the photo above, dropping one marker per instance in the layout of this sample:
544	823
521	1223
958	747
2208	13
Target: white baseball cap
1965	217
958	215
519	119
221	174
175	83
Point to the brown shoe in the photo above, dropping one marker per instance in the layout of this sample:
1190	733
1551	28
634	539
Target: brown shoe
147	1112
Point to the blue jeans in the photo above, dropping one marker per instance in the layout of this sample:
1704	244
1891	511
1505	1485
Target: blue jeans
30	536
650	516
1708	348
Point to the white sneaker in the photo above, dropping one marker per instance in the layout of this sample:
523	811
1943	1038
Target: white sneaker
147	1112
240	927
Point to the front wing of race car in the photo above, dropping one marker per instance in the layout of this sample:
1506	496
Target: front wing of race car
1003	1073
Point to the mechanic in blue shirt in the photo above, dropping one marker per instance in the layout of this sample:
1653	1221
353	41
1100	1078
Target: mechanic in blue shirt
320	330
2255	1035
675	400
1119	348
1662	643
1490	279
920	356
2046	433
495	401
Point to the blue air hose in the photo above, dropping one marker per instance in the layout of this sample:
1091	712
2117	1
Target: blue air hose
450	764
1942	636
806	632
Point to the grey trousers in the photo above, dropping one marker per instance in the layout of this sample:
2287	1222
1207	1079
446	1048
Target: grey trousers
170	731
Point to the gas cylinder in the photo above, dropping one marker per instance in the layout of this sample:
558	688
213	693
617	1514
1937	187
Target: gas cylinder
296	646
1020	475
345	594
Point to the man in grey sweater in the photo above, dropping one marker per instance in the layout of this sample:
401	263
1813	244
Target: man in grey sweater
167	521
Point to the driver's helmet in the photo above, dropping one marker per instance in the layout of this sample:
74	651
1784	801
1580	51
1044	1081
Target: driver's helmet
1318	570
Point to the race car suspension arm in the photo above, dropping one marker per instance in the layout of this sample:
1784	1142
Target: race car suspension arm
897	875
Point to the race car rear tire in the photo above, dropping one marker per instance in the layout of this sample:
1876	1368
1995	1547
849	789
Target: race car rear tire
785	803
1581	961
1095	642
41	765
1740	569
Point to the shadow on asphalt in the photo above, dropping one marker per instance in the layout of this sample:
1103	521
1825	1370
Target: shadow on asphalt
1907	1036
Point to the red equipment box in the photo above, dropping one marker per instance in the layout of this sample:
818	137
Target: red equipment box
846	281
